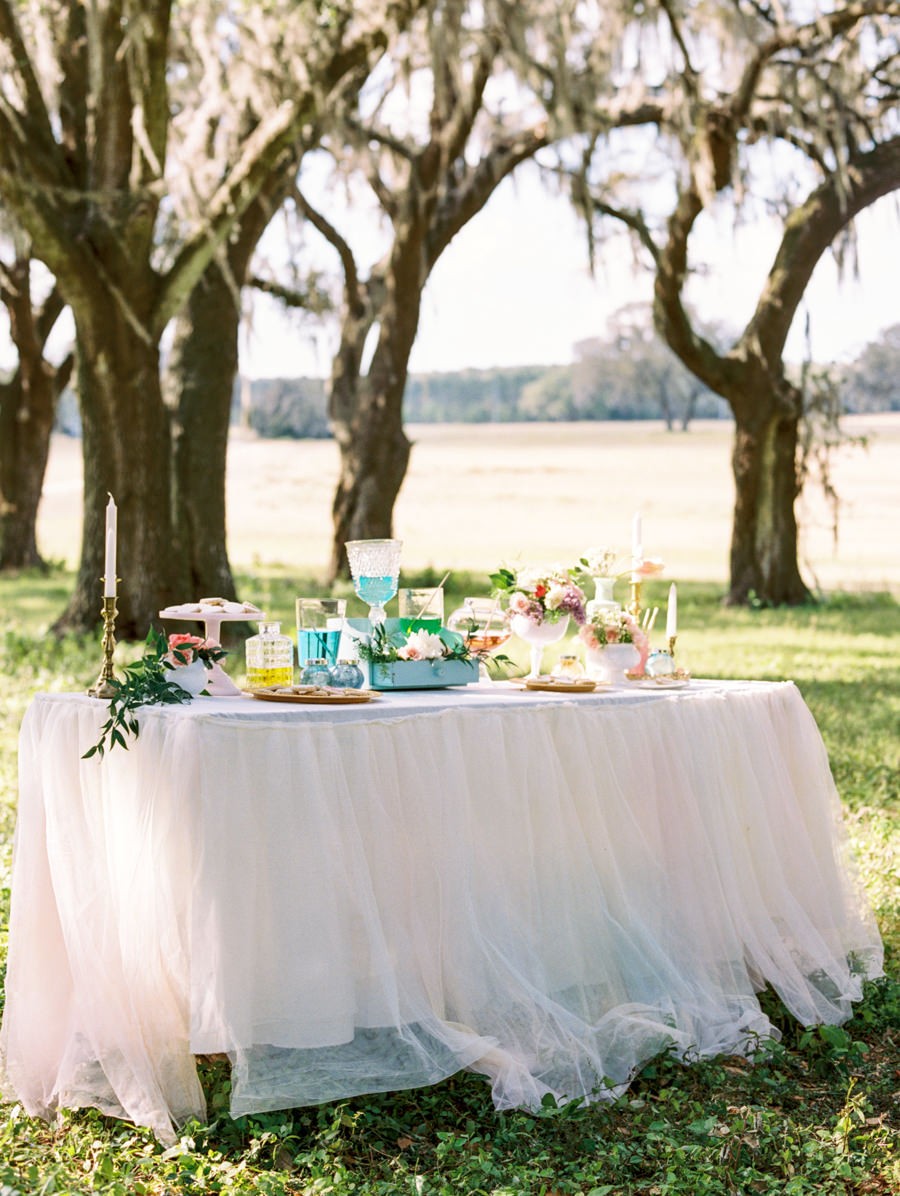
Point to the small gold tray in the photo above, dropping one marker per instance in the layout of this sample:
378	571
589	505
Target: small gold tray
555	685
312	695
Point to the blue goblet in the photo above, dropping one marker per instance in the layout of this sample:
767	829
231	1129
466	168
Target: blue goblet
375	566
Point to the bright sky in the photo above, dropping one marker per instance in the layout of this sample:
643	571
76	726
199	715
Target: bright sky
514	288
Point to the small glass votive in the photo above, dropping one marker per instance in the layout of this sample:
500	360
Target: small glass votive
568	668
421	609
659	664
316	672
347	675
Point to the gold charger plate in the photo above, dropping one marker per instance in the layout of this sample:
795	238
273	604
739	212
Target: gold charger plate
323	697
553	686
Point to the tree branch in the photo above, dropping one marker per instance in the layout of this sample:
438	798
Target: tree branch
345	253
40	130
808	233
689	74
826	27
51	310
312	299
458	206
633	220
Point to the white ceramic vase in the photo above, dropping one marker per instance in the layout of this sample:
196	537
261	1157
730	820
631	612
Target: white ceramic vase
603	599
538	635
191	677
611	662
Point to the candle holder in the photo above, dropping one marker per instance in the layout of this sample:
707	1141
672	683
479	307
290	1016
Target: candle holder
672	639
634	606
102	687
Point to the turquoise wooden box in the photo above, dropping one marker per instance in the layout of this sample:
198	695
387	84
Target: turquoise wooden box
412	674
420	674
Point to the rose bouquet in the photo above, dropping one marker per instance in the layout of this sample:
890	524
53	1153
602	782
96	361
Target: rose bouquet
185	649
543	594
614	627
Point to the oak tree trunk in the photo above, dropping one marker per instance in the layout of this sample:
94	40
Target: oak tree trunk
764	561
27	406
374	453
27	410
126	444
367	412
200	382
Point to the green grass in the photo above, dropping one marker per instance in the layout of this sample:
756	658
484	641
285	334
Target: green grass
817	1113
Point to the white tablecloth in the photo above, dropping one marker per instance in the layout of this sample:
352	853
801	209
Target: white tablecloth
354	899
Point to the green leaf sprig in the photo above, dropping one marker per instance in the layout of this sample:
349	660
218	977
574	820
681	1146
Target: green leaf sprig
145	684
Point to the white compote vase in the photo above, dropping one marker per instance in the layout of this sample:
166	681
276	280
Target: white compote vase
191	677
610	663
538	636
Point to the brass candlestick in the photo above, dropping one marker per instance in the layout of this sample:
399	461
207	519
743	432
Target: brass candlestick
634	606
672	639
101	687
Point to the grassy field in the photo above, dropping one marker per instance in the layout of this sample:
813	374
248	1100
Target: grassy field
817	1113
476	494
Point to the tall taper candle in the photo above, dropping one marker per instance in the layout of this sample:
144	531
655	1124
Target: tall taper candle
672	613
109	564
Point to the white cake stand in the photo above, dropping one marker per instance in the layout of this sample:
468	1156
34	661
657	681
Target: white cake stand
219	684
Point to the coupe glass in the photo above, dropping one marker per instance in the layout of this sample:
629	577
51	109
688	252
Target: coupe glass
375	566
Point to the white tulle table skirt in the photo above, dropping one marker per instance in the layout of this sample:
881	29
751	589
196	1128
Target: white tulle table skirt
351	900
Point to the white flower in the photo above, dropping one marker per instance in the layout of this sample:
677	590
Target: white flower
422	645
531	576
554	597
600	561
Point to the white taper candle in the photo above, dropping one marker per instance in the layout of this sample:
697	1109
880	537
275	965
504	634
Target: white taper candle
672	613
109	564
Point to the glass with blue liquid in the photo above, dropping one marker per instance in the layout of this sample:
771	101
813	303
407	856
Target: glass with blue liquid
375	566
320	622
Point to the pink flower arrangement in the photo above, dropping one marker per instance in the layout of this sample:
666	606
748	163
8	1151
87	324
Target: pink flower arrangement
422	645
545	594
614	627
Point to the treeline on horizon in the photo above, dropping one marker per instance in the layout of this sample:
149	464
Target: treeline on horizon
635	378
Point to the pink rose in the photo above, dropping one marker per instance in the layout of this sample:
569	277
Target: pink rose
649	567
183	645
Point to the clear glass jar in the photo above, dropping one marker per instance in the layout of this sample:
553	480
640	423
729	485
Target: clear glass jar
270	657
316	672
482	624
568	668
347	674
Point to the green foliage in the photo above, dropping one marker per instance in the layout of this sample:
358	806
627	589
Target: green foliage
815	1112
145	684
294	407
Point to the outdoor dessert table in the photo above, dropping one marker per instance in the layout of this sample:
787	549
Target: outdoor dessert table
546	889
